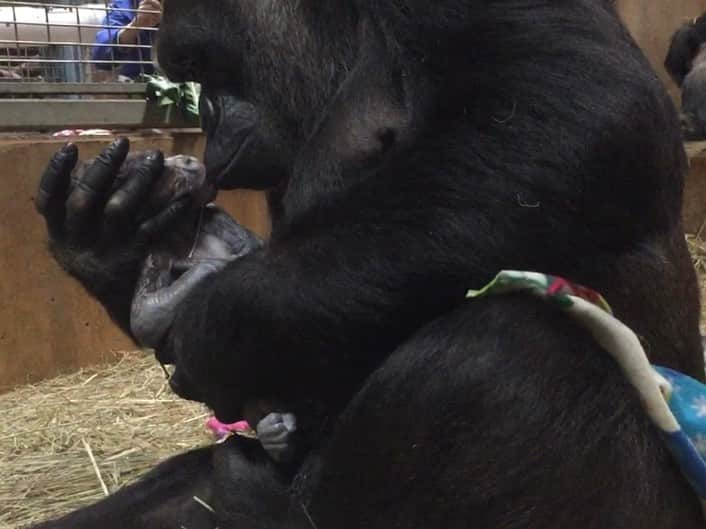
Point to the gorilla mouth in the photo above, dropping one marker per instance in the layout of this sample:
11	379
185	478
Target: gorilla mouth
219	168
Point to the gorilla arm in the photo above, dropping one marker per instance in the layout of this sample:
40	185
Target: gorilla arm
311	314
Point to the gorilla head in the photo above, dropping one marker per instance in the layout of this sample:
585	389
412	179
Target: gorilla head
260	68
293	92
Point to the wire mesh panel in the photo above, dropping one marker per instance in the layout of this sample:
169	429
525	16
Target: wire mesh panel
72	64
72	41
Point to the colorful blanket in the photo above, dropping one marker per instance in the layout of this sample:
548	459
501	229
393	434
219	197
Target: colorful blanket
674	402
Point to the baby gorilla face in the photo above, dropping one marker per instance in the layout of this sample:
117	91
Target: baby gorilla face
183	176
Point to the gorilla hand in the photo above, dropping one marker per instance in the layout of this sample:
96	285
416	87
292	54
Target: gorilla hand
276	432
94	229
158	295
219	240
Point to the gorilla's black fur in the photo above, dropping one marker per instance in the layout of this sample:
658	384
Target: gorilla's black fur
414	149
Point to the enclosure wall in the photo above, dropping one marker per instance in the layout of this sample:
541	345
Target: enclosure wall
47	323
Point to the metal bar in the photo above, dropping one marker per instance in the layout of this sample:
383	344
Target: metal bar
42	88
46	17
115	38
43	43
12	3
70	25
83	72
14	16
50	71
53	114
78	23
13	60
139	53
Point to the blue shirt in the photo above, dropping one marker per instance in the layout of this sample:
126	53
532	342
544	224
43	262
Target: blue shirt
107	35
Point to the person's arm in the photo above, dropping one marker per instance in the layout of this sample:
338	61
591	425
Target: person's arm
108	37
147	16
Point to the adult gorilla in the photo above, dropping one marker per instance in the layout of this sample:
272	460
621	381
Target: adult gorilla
414	149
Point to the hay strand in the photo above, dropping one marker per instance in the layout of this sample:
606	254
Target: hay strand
95	467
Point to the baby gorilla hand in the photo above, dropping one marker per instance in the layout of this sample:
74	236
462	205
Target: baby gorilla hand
167	278
276	432
158	295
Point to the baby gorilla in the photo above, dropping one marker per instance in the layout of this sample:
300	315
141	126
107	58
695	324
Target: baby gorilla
202	243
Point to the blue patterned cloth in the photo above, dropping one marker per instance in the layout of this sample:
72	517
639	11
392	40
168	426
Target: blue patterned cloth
674	402
687	401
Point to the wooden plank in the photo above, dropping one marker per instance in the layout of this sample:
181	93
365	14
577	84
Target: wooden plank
52	114
41	88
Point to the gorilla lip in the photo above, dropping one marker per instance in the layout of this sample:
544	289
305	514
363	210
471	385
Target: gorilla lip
216	172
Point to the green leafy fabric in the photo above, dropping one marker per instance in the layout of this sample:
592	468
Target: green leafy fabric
185	96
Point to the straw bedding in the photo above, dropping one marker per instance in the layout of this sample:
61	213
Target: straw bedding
65	442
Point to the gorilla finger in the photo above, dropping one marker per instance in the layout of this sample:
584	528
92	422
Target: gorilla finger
124	202
280	452
99	177
54	183
91	190
164	220
54	187
152	312
154	276
179	266
274	437
276	425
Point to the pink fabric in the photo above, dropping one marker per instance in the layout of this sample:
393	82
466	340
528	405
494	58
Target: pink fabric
221	430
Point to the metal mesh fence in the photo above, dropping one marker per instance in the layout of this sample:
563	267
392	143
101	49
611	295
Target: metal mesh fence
71	64
69	41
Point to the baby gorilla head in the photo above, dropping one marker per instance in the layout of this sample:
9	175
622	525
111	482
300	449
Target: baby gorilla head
201	242
183	177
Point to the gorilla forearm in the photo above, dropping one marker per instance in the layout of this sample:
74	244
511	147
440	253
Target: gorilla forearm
335	302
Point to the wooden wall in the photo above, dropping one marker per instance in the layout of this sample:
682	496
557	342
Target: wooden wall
652	23
47	322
